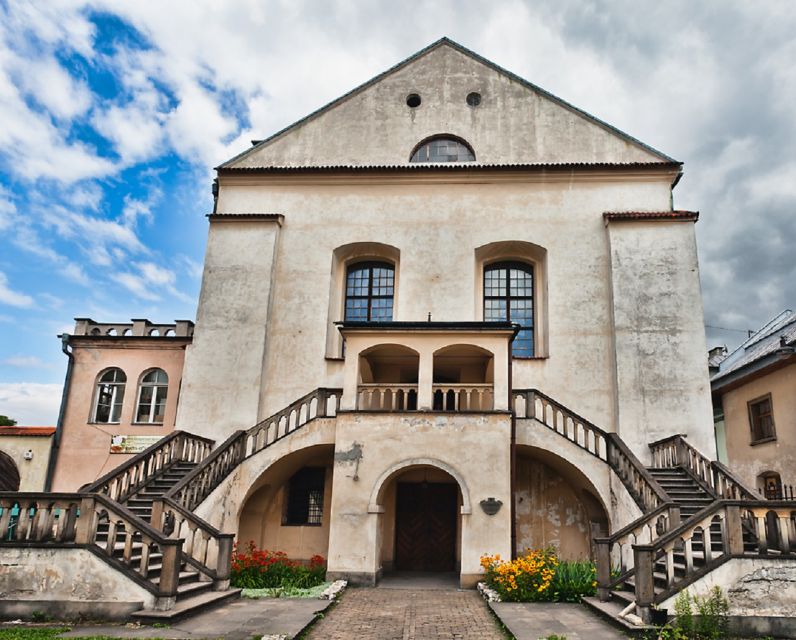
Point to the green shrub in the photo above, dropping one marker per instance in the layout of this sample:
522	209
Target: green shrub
711	619
538	575
574	580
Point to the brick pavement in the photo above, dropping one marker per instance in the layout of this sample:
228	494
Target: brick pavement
410	614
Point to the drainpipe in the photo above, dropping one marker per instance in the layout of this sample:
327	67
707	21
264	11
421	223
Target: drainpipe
513	453
60	424
215	195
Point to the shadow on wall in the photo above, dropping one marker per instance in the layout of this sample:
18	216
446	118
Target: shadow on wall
556	505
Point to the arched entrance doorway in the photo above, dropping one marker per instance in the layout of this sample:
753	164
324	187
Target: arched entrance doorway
421	526
9	474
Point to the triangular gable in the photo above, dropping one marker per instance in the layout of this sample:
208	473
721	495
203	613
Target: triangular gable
516	123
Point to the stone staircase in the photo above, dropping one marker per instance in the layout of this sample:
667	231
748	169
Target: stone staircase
709	516
194	589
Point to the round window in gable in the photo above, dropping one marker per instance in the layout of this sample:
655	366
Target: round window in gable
413	100
474	99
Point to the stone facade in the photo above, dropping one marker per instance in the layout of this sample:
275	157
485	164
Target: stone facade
427	392
617	315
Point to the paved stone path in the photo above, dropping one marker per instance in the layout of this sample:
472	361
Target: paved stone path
408	614
533	620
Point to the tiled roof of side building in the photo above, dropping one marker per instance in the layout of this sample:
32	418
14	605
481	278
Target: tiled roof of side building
765	342
611	216
27	431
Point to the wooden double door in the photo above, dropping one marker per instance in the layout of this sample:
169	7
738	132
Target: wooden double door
425	526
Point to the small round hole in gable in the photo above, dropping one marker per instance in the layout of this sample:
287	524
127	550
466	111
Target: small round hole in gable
413	100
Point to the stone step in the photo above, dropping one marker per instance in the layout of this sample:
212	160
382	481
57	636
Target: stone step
187	606
610	611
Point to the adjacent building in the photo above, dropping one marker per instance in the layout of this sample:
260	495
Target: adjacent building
754	399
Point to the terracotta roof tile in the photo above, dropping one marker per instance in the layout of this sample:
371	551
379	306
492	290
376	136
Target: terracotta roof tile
612	216
26	431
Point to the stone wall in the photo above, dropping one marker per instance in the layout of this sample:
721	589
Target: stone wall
66	583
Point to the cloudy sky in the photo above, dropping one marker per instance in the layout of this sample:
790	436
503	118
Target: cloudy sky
112	115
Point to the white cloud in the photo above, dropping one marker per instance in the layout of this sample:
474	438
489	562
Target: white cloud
149	280
30	404
11	297
52	86
26	362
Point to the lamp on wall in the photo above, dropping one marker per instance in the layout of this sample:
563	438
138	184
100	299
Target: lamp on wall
28	455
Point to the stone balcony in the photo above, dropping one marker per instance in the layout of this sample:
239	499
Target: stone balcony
427	366
137	327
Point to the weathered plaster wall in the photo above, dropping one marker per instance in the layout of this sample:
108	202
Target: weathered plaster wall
662	380
71	581
550	511
31	472
761	593
778	455
85	454
512	124
580	469
371	449
562	214
261	517
271	467
223	373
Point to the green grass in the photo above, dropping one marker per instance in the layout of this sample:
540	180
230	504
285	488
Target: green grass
285	592
45	633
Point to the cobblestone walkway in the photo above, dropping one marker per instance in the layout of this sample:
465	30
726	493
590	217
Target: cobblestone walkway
392	614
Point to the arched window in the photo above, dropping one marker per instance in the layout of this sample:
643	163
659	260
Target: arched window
508	295
443	149
110	396
369	291
152	397
9	473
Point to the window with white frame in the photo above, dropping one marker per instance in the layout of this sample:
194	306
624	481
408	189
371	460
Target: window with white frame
110	396
152	394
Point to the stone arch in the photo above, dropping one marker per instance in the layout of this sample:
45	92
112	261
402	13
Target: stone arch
557	503
374	504
261	512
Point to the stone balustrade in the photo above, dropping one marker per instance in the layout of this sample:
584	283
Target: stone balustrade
79	519
463	397
726	528
386	397
135	328
130	476
675	451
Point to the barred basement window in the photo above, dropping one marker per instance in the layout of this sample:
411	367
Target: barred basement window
304	500
761	419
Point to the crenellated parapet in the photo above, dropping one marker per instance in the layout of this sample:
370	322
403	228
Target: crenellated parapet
137	327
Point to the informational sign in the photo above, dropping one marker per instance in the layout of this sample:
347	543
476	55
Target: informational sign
132	444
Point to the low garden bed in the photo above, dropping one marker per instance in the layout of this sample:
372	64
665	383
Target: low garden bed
271	574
